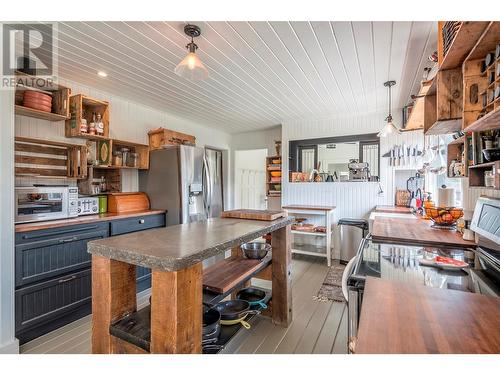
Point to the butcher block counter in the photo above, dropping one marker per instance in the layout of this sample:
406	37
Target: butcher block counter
406	318
175	255
415	231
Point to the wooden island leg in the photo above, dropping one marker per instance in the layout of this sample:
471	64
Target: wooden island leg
281	279
176	311
113	297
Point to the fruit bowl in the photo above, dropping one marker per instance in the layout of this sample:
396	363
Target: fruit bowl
444	216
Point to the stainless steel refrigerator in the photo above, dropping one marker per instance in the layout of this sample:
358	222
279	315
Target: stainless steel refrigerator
186	181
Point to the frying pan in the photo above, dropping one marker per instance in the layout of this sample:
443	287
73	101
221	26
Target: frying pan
241	321
253	296
211	322
233	309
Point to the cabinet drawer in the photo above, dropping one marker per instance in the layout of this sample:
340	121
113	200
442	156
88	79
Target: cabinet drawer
40	260
43	302
138	223
47	234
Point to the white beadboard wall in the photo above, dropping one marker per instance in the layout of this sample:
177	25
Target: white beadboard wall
128	121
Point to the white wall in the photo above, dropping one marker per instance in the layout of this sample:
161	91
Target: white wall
128	121
8	343
252	141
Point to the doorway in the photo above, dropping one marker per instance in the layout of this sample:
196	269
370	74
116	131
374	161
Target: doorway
250	179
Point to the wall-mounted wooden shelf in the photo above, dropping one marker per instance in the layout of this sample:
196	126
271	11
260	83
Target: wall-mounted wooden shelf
30	112
84	107
39	158
445	127
105	157
60	97
464	40
476	174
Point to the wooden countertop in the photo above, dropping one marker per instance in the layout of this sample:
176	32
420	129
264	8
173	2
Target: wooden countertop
27	227
406	318
312	208
393	209
417	232
181	246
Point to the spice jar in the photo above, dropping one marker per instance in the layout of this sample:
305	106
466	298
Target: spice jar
117	158
125	155
489	180
133	160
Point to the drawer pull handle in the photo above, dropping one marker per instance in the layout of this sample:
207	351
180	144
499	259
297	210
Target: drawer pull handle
141	221
66	280
68	239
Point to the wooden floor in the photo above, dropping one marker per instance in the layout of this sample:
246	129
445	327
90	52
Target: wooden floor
317	327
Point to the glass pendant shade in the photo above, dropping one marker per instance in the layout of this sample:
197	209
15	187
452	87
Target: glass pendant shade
388	129
191	68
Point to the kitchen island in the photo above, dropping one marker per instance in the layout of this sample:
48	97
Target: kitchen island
175	255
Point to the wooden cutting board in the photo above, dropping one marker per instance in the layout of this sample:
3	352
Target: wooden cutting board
228	273
406	318
264	215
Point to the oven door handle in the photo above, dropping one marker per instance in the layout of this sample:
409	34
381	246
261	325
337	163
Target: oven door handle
345	276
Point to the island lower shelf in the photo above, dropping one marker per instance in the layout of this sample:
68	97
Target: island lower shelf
135	328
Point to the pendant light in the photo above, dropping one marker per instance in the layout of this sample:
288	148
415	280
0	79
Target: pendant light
389	128
191	66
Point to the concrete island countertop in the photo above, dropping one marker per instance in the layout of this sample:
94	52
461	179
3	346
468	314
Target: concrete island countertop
181	246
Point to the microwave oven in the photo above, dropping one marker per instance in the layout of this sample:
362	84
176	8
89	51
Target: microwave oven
41	203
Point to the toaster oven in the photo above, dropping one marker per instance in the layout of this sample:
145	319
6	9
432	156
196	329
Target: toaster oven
41	203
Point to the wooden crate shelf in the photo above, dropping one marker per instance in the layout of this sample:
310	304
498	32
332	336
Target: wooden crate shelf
111	176
271	190
161	137
48	159
476	174
455	150
105	153
464	40
60	97
84	107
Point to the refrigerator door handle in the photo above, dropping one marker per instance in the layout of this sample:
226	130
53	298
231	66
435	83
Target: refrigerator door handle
206	187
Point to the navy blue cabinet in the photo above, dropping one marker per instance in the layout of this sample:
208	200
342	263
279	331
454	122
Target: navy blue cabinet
53	272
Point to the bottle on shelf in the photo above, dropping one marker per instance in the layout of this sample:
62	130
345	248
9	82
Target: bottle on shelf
99	125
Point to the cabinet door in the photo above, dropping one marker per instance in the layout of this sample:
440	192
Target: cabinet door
43	259
43	302
143	278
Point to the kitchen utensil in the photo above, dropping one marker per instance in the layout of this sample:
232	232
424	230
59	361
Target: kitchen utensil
241	321
211	322
255	250
265	215
233	309
253	296
491	154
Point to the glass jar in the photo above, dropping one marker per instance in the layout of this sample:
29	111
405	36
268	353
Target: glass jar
125	155
489	179
117	158
133	160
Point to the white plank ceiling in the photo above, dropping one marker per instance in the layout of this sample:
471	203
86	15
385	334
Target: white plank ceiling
261	73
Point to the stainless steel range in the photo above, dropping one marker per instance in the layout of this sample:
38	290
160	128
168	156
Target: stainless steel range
402	263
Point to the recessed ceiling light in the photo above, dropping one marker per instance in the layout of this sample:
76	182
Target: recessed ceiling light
102	74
